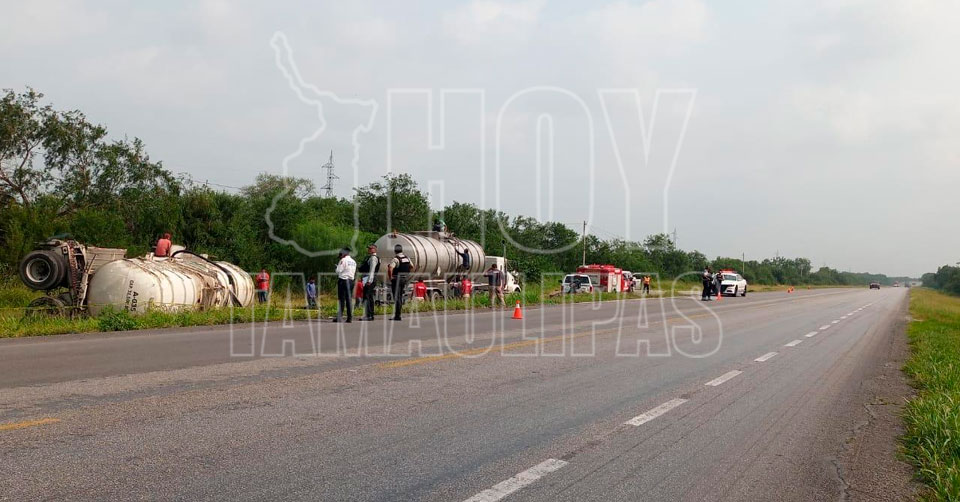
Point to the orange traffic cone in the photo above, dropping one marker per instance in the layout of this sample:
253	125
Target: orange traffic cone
517	313
720	293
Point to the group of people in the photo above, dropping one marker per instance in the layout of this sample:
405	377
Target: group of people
398	272
363	288
712	282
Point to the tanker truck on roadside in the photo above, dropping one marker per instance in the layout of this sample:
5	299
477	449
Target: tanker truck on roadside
434	258
78	278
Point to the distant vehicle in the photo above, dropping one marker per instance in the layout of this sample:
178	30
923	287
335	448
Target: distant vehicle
896	284
733	284
874	285
577	283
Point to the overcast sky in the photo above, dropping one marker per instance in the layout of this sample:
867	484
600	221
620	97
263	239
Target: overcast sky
824	129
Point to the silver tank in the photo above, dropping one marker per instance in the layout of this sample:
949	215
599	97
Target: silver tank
432	254
179	283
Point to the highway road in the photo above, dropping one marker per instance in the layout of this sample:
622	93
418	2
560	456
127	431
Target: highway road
774	396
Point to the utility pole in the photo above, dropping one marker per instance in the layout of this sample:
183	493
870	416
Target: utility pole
328	188
583	237
674	236
743	262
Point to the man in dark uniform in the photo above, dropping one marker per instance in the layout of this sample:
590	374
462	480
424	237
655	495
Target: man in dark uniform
398	272
368	277
707	279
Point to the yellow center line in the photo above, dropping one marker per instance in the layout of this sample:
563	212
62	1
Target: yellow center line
28	423
510	346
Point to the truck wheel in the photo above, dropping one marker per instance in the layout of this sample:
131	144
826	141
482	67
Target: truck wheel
744	293
43	269
436	297
47	306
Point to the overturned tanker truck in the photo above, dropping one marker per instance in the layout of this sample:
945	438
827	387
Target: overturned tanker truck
79	278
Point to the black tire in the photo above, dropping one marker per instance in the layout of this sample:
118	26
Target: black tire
436	297
43	270
744	293
50	306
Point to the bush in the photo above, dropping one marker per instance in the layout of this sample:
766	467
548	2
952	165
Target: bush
116	320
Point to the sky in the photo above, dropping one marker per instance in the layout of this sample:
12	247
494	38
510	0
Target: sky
821	129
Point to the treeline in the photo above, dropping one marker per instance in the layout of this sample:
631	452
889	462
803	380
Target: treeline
946	278
61	175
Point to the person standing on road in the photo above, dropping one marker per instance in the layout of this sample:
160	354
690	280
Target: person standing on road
163	246
707	278
263	285
312	294
398	271
495	283
346	270
646	284
718	283
368	278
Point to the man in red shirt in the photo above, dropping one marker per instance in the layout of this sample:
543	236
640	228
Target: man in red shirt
263	284
163	246
420	290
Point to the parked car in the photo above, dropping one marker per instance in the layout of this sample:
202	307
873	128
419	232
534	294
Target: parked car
874	285
577	283
733	284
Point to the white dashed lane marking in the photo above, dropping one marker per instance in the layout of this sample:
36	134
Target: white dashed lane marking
723	378
656	412
811	334
794	343
527	477
824	327
765	357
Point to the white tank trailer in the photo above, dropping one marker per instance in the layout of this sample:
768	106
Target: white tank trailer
433	255
78	277
433	258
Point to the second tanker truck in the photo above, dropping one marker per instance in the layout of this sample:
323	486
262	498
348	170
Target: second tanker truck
433	257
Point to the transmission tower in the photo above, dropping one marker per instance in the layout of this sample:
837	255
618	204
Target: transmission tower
331	177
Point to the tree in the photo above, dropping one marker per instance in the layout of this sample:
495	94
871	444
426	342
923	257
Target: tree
397	200
23	129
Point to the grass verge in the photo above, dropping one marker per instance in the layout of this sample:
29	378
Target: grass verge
284	305
932	419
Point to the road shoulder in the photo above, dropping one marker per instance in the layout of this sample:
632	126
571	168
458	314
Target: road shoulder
868	461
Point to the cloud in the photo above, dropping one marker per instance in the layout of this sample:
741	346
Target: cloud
482	22
47	24
658	24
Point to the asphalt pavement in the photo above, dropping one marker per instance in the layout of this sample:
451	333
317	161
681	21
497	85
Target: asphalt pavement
748	398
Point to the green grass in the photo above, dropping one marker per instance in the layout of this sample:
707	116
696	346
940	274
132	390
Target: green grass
14	297
932	419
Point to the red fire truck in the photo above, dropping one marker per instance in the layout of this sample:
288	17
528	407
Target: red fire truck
605	277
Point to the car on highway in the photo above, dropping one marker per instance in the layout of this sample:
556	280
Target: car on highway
732	284
577	283
874	285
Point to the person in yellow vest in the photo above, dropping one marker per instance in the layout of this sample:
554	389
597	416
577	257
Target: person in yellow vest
646	284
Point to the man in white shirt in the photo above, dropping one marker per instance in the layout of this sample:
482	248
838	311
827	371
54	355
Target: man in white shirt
346	270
